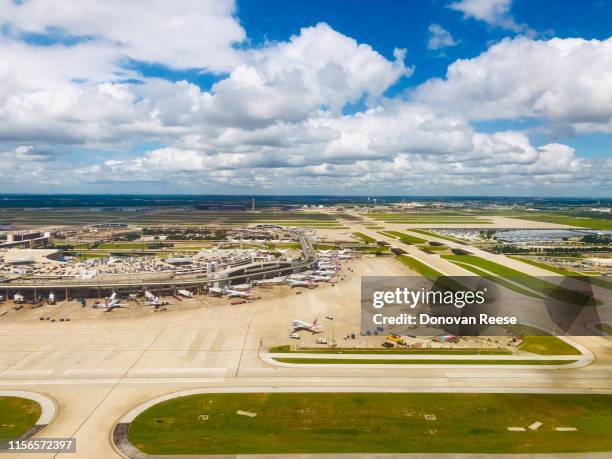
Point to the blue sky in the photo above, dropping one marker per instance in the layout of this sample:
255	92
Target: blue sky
387	24
350	97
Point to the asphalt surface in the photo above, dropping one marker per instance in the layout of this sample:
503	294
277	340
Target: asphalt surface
100	366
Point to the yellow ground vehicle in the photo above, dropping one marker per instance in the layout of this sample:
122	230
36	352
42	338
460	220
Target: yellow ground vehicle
396	339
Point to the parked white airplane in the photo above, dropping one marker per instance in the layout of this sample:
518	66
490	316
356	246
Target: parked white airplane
313	326
150	296
328	267
300	283
272	281
109	304
185	293
324	272
242	287
237	293
217	291
154	300
320	278
18	298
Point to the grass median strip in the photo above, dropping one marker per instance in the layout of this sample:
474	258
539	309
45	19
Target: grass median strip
365	238
302	360
405	238
532	283
17	416
432	274
536	343
326	423
564	272
427	218
569	220
287	349
499	280
421	268
605	328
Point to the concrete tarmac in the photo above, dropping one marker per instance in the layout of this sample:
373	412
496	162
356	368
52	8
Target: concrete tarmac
100	365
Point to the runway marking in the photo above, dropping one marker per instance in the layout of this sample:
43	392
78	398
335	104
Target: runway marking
156	371
94	371
116	382
27	372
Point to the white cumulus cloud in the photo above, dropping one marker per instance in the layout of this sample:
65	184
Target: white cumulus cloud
494	12
563	81
180	34
73	115
439	37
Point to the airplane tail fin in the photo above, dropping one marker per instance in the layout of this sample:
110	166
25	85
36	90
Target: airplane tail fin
316	321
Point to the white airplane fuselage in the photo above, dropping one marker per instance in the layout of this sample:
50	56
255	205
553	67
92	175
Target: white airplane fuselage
300	283
185	293
313	326
237	293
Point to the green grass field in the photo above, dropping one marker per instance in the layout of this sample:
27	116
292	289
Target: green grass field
564	272
548	345
168	217
533	283
373	423
536	343
432	274
405	238
124	245
533	342
570	220
435	248
239	218
498	280
17	416
365	238
33	217
420	268
325	361
607	329
283	245
381	350
428	218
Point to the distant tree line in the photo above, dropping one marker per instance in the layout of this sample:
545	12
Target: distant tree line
596	239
